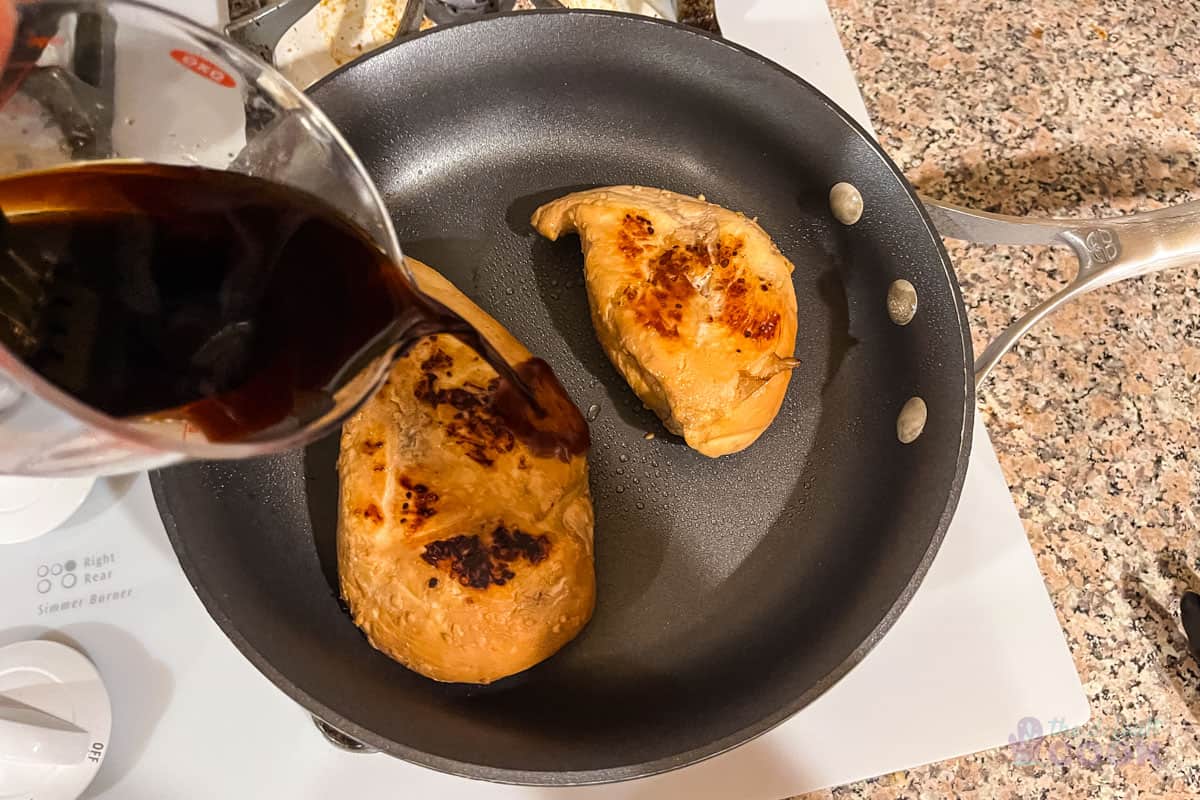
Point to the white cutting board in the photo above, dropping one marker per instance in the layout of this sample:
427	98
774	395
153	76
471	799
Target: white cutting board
978	648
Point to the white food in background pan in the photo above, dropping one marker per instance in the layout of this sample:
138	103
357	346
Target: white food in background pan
338	31
29	138
657	8
333	33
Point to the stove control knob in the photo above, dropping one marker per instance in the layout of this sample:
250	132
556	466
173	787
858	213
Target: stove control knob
55	719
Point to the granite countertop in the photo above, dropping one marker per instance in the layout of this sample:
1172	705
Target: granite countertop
1081	107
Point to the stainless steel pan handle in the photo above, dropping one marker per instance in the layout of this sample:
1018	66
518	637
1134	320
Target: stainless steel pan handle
1109	250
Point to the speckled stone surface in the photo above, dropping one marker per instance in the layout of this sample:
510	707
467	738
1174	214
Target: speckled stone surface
1057	107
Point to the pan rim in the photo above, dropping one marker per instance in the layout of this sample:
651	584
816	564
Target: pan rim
745	734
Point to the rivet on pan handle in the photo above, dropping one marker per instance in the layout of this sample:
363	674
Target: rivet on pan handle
1109	250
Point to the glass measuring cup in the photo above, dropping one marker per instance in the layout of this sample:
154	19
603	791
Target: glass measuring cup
93	81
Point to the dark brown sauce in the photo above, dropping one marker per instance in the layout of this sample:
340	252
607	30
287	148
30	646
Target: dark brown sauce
236	304
557	429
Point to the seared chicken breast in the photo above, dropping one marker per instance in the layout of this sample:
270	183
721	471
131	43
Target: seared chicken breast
693	304
464	550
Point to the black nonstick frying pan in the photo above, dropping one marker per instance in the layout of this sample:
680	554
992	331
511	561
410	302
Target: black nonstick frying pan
731	592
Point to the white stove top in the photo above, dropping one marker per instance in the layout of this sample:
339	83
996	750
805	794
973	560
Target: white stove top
978	649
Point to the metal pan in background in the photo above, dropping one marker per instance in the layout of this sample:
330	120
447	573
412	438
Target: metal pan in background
731	592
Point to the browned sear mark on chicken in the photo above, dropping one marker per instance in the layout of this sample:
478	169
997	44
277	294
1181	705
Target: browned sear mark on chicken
671	282
510	546
467	560
478	565
474	425
635	230
763	329
370	446
419	502
372	513
741	311
658	304
438	362
727	248
639	226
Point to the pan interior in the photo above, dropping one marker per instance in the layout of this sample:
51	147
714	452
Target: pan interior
730	592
